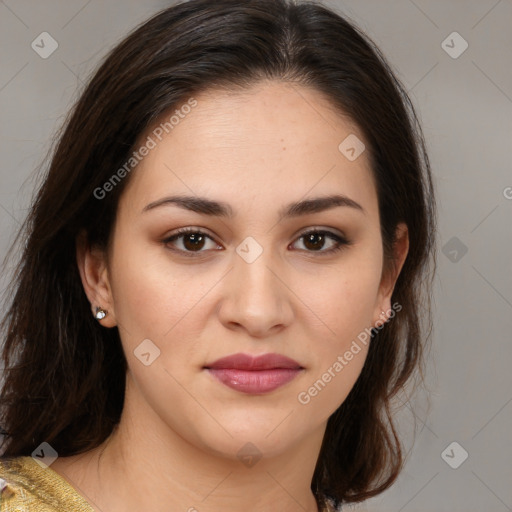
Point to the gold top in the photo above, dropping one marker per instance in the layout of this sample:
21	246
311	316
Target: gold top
25	486
29	487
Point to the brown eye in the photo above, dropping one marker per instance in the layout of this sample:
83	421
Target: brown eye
193	241
189	241
315	241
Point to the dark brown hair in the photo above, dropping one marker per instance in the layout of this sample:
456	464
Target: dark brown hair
64	373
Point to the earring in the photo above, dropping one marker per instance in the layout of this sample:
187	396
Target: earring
100	313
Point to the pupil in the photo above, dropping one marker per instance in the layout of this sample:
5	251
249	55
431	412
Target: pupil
195	239
316	239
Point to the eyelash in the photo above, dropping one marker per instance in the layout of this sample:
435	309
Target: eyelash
341	242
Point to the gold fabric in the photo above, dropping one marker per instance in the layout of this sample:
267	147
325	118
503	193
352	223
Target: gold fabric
28	487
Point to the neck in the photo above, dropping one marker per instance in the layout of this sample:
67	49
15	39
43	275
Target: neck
146	465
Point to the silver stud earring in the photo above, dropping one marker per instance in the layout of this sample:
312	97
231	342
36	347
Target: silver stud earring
100	313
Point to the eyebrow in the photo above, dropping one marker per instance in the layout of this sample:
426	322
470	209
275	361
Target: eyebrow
205	206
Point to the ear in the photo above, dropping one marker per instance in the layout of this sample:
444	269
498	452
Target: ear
389	278
92	265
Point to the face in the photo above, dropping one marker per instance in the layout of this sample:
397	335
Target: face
252	274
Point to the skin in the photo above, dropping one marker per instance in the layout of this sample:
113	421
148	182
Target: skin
177	443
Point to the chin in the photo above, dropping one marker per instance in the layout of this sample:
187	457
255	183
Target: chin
247	434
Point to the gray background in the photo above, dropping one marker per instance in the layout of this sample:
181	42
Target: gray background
465	104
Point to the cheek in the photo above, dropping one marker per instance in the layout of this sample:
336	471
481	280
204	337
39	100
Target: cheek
145	296
331	383
151	299
337	358
169	305
344	306
343	297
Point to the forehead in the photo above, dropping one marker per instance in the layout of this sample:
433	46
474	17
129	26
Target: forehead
267	145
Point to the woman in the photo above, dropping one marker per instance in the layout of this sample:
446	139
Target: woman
220	290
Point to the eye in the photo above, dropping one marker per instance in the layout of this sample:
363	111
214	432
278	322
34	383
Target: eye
192	241
315	240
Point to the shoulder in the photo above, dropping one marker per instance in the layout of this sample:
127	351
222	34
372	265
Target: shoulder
29	487
24	487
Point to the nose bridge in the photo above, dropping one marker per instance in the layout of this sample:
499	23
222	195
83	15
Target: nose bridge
253	263
256	298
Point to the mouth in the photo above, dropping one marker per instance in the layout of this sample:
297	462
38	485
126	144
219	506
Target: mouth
254	375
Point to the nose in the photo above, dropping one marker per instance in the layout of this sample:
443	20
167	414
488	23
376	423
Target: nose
255	297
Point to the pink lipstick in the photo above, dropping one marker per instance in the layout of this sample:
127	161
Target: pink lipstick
254	375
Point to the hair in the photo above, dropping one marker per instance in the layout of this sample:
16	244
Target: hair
64	373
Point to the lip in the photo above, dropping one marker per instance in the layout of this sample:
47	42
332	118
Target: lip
254	375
